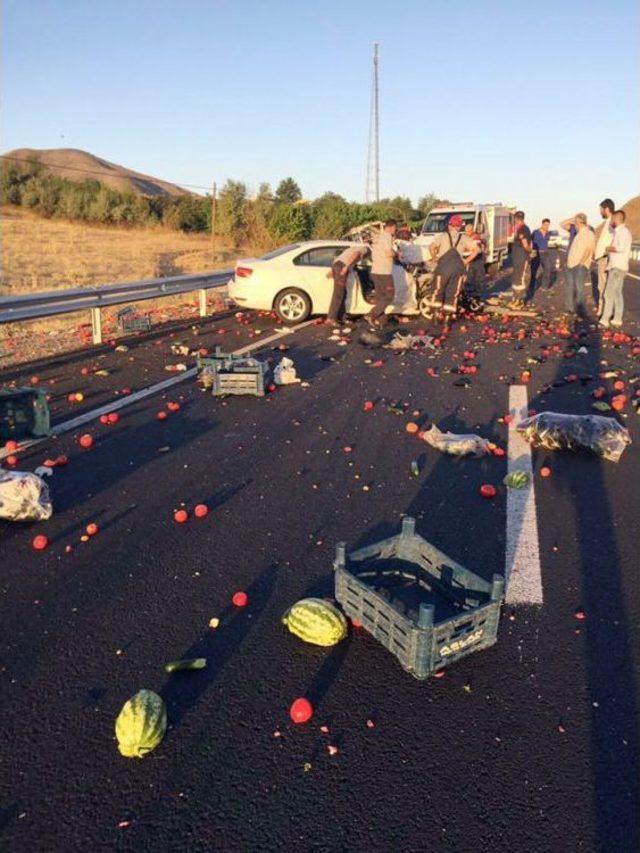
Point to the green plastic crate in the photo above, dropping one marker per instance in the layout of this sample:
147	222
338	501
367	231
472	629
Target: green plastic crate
24	413
232	374
428	610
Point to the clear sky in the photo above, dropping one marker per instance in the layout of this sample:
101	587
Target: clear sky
531	104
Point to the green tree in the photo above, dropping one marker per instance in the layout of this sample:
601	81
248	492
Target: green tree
288	191
428	202
232	210
291	222
333	216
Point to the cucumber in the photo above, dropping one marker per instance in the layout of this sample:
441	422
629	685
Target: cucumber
181	665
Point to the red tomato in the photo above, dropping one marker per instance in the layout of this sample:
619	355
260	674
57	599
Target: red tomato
104	419
86	440
40	542
162	415
92	529
368	406
113	417
180	516
240	599
301	711
200	510
12	460
488	491
11	445
545	472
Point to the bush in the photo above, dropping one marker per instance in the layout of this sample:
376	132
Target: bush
291	222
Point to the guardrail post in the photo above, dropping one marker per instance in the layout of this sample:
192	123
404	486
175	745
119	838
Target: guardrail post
202	300
96	325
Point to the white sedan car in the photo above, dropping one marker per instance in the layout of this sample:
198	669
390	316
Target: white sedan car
295	282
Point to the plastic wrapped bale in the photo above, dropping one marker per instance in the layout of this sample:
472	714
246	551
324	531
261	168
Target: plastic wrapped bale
24	497
454	444
556	431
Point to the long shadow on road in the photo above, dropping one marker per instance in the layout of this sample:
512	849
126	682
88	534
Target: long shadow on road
609	666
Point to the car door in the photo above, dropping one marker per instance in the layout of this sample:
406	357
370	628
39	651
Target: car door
314	270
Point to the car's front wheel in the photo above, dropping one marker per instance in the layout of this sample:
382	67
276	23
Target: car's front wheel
292	306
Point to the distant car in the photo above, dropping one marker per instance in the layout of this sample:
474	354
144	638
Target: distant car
295	282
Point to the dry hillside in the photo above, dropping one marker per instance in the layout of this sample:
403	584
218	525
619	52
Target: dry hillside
44	254
76	165
632	209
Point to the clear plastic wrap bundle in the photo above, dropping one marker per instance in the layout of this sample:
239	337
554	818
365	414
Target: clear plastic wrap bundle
456	445
555	431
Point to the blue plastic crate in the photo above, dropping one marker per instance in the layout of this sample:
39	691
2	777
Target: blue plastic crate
428	610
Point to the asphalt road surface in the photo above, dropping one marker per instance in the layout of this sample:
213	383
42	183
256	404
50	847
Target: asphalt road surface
531	745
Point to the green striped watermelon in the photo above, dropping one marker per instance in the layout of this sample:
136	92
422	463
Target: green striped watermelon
316	621
516	480
141	724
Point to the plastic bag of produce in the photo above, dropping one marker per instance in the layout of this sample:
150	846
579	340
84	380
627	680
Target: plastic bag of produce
24	497
556	431
285	373
456	445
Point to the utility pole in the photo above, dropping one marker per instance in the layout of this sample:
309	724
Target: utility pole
373	156
214	204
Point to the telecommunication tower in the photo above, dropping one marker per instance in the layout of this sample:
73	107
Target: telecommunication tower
372	192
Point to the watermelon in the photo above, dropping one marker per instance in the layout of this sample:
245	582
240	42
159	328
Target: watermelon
516	480
316	621
141	724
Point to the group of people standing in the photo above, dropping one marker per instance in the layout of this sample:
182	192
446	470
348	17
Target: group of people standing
458	253
610	248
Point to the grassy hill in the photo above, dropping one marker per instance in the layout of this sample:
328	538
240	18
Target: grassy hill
632	209
76	165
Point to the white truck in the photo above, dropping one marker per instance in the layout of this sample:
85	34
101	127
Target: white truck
494	222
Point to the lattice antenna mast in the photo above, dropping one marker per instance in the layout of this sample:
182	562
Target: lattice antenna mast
373	155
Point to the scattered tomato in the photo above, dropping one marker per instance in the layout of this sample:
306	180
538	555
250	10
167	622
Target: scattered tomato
200	510
40	542
180	516
240	599
301	711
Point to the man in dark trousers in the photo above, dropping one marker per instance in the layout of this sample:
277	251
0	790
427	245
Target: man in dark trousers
383	256
475	270
449	249
521	258
340	269
542	259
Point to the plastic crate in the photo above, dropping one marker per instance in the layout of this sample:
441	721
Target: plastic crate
232	374
428	610
130	321
24	413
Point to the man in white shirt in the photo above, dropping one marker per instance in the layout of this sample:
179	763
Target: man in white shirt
618	253
383	256
579	260
603	239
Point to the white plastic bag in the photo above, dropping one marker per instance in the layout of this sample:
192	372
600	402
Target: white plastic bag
285	373
456	445
24	497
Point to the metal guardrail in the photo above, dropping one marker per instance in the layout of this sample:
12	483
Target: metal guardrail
35	306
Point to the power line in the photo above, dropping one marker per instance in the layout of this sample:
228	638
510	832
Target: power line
96	172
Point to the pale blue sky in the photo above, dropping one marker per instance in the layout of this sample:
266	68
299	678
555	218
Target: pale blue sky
534	105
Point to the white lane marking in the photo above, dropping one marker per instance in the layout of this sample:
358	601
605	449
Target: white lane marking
84	418
523	575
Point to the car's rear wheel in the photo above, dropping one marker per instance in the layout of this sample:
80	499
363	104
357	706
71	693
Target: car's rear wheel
292	306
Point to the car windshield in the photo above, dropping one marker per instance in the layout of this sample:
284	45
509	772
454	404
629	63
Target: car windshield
436	223
281	251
